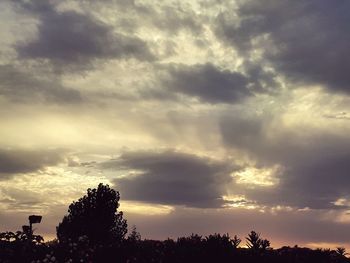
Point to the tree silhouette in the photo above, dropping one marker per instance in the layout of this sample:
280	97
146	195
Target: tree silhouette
255	243
264	244
253	240
94	216
341	251
21	236
236	241
134	236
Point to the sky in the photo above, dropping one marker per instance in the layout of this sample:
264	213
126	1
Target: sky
207	116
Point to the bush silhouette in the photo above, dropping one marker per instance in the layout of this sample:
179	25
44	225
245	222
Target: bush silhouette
95	217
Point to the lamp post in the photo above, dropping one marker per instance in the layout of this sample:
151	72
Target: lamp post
33	219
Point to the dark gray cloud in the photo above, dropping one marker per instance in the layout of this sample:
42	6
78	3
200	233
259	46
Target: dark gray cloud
72	40
36	7
207	83
242	131
306	41
316	163
15	161
21	86
319	182
172	178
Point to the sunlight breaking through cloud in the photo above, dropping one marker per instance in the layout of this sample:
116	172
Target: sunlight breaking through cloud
261	177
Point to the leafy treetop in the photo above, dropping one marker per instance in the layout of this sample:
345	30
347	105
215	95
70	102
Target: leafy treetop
94	216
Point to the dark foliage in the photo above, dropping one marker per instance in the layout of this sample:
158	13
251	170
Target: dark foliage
195	248
134	236
20	246
236	241
94	216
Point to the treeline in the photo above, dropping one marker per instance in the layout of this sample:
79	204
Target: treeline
93	231
194	248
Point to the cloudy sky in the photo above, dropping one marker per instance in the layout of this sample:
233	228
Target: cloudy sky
207	116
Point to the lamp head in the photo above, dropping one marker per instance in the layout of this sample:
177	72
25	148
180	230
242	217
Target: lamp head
34	219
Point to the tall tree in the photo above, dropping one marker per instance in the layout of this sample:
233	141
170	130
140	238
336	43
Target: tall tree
94	216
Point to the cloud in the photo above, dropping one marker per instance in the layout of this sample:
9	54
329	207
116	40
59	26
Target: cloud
305	41
320	180
207	83
21	86
338	116
72	40
316	163
172	178
16	161
167	17
242	131
172	19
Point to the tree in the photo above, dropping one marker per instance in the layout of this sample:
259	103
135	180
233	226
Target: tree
21	236
134	236
253	240
264	244
236	241
256	243
219	242
341	251
94	216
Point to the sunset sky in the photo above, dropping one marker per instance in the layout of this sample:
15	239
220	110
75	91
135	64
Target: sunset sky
207	116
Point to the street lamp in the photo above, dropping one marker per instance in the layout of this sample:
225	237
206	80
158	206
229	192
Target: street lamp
33	219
